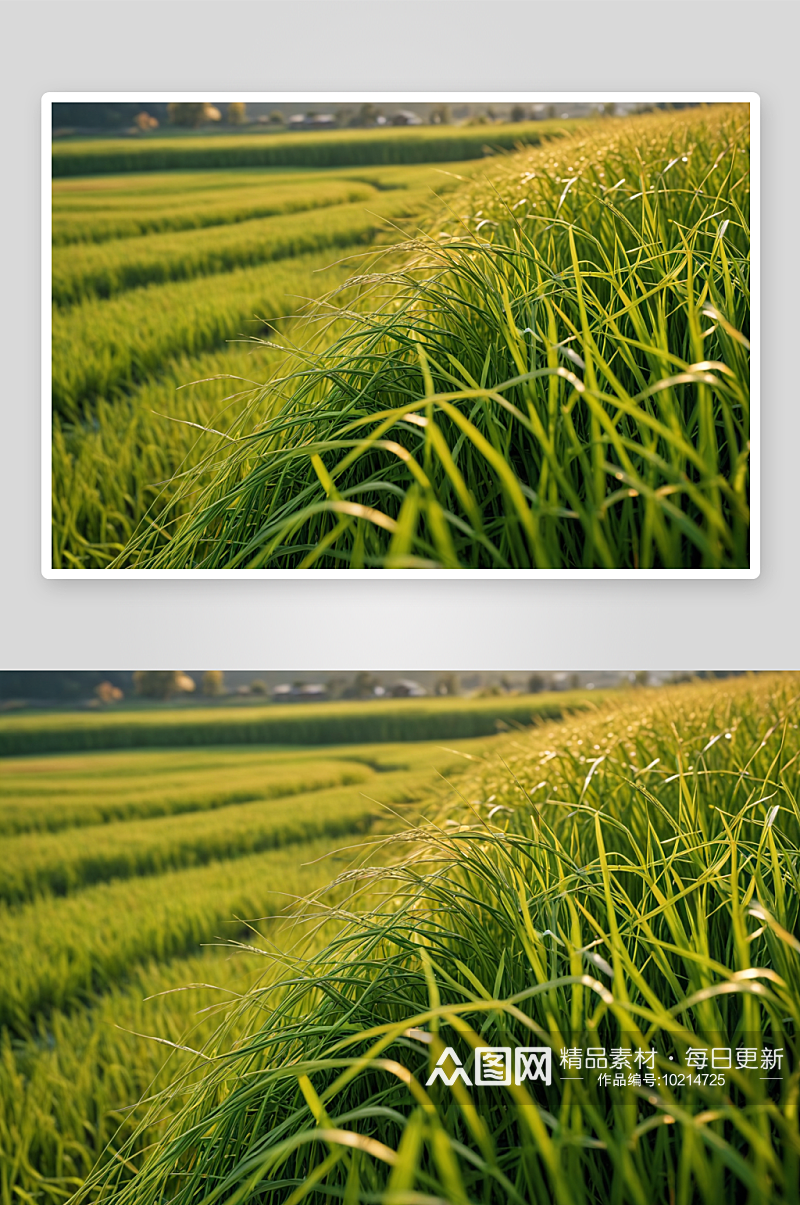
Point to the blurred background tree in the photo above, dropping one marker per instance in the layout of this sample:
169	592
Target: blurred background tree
236	113
367	115
162	683
107	692
448	684
145	122
213	683
440	115
192	114
365	685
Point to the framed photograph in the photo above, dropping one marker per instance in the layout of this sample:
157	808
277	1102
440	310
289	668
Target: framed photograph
426	335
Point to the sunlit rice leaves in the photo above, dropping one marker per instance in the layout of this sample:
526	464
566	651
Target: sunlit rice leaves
103	346
65	1091
129	411
626	880
109	469
69	1076
100	209
559	379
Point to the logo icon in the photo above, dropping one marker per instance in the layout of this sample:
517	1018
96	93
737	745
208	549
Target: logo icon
493	1066
533	1063
458	1072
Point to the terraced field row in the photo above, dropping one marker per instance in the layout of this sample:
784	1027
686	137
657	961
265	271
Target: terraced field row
61	862
102	208
104	270
157	851
102	347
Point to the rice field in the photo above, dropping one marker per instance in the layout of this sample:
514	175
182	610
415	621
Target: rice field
621	881
555	376
370	147
330	723
126	876
167	288
538	358
104	208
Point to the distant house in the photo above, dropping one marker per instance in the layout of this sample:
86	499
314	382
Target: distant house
405	688
404	117
299	692
312	121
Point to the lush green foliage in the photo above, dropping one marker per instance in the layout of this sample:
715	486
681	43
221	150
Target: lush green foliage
630	880
429	144
283	724
101	346
65	1091
92	214
559	379
110	469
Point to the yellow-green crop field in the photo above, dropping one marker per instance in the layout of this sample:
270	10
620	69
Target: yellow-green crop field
128	874
518	348
252	992
166	288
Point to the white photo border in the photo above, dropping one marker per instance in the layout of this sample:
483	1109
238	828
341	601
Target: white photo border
750	98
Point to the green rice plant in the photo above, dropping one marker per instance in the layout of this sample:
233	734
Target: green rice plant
49	794
59	953
108	471
82	272
65	1091
64	862
336	148
102	346
630	882
67	1086
96	215
558	378
99	208
54	795
315	724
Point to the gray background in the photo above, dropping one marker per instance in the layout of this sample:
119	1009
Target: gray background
381	45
